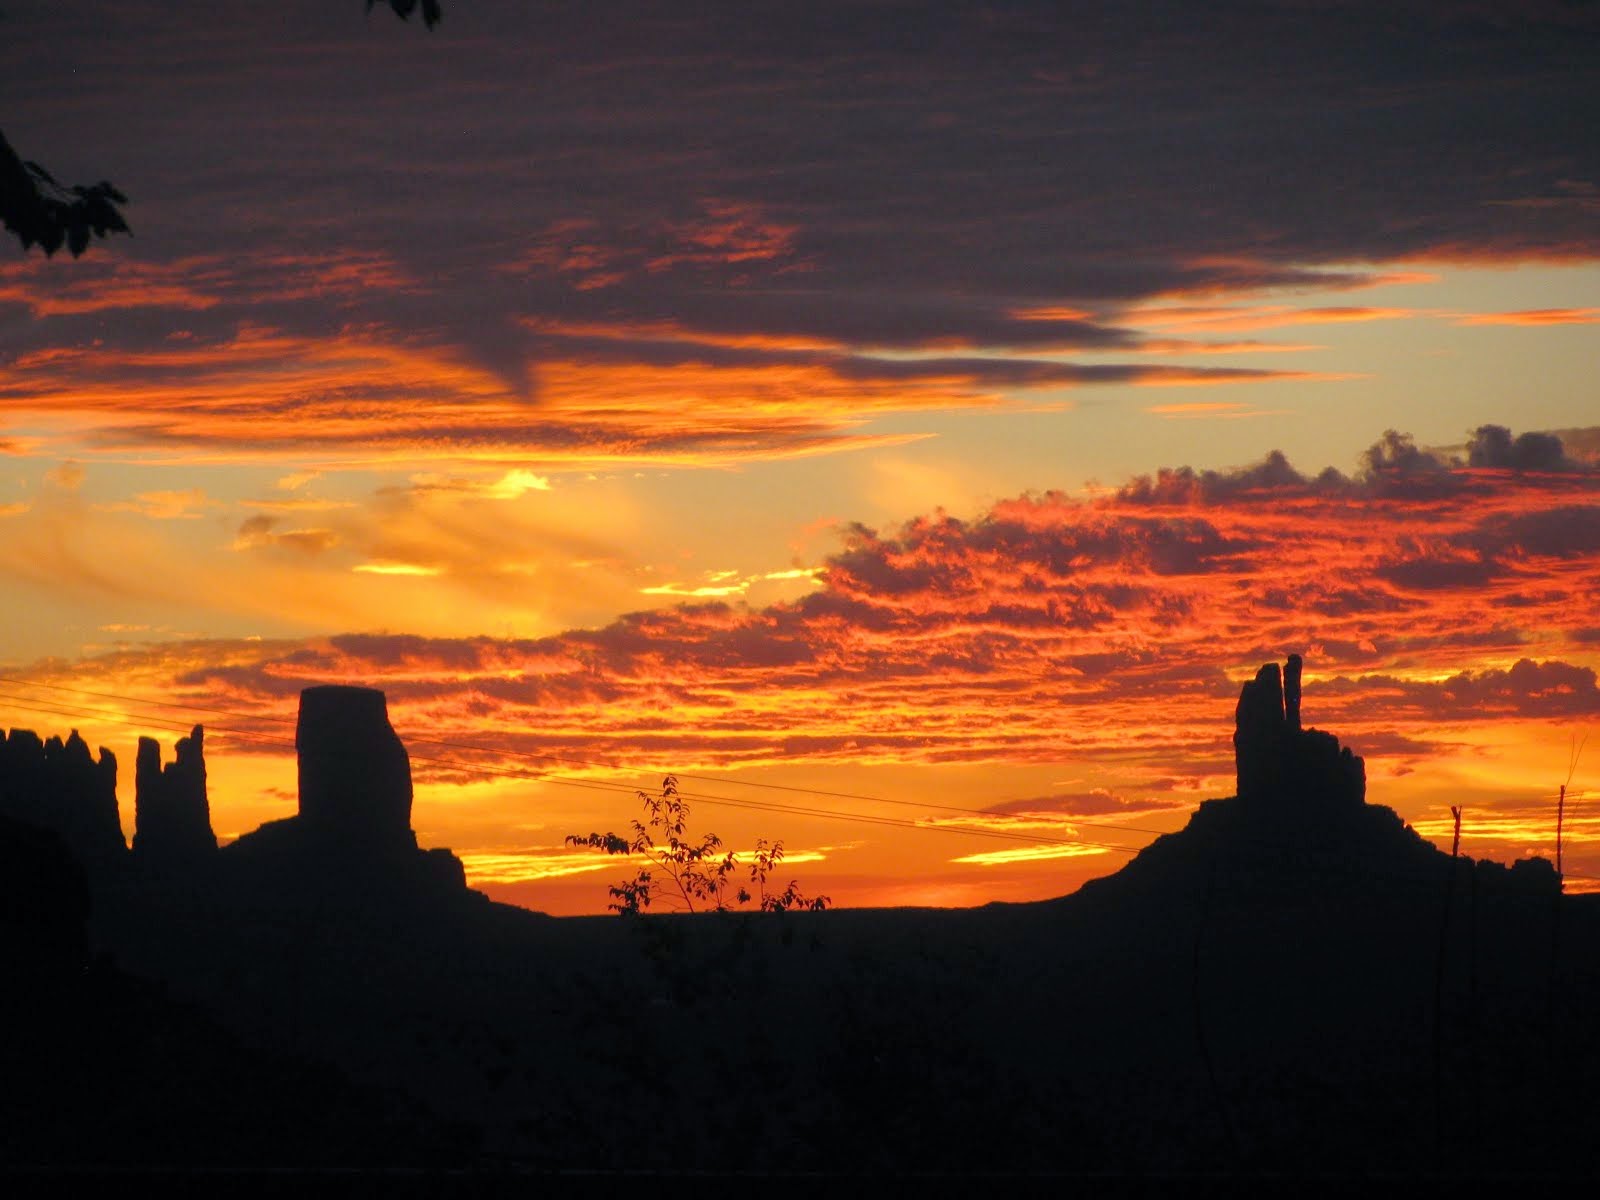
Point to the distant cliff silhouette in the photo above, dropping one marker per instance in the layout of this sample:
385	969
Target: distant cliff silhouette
1277	761
353	831
352	834
102	1068
1294	983
56	785
44	902
1299	810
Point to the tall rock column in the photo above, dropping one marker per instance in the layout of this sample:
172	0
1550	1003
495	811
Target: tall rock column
171	811
1275	757
355	775
1259	734
1291	692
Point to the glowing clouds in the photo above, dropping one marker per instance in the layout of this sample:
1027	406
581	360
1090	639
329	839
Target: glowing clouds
1047	628
1049	635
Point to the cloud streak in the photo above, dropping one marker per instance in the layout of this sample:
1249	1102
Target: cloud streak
1427	593
232	388
695	238
1102	636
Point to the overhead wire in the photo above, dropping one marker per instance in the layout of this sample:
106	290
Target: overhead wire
506	752
166	724
146	720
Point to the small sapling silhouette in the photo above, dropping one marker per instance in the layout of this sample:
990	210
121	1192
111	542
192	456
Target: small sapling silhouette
689	873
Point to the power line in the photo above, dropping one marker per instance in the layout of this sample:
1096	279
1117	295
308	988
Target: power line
69	710
63	709
611	766
31	704
534	754
470	768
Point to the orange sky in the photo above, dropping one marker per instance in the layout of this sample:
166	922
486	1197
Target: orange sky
919	429
1067	663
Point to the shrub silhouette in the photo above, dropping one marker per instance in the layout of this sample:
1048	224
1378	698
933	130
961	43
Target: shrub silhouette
688	873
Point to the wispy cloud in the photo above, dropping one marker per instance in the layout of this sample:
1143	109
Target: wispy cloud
1534	317
1028	854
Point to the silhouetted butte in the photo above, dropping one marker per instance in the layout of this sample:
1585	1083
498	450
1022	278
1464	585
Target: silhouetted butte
353	831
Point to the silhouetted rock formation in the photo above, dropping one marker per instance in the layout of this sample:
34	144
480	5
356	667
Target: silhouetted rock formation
1295	982
1278	761
56	785
1300	814
1291	693
172	816
353	832
44	903
355	776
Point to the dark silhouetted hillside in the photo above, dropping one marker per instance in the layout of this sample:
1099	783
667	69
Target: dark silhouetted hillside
1295	983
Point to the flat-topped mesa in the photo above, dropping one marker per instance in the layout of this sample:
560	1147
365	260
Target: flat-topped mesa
171	812
355	775
1275	758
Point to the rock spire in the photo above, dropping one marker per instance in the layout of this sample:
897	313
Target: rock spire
1275	758
172	815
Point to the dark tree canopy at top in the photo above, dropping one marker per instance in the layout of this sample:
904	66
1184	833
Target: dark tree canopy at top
43	212
404	8
38	209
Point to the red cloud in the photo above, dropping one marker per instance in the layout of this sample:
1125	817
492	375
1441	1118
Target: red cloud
1433	599
1048	629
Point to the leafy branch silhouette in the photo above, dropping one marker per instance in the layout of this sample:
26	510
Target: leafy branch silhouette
43	212
690	873
404	8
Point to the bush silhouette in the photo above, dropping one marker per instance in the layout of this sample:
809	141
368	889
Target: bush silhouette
692	874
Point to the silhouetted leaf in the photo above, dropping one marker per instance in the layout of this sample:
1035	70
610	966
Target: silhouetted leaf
39	211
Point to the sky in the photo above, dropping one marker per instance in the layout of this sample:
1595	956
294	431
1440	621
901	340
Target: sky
909	424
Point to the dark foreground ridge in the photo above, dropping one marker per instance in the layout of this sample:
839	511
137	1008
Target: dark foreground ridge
352	835
1294	983
106	1067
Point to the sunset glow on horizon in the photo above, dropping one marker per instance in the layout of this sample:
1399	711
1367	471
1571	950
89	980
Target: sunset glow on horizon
908	427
